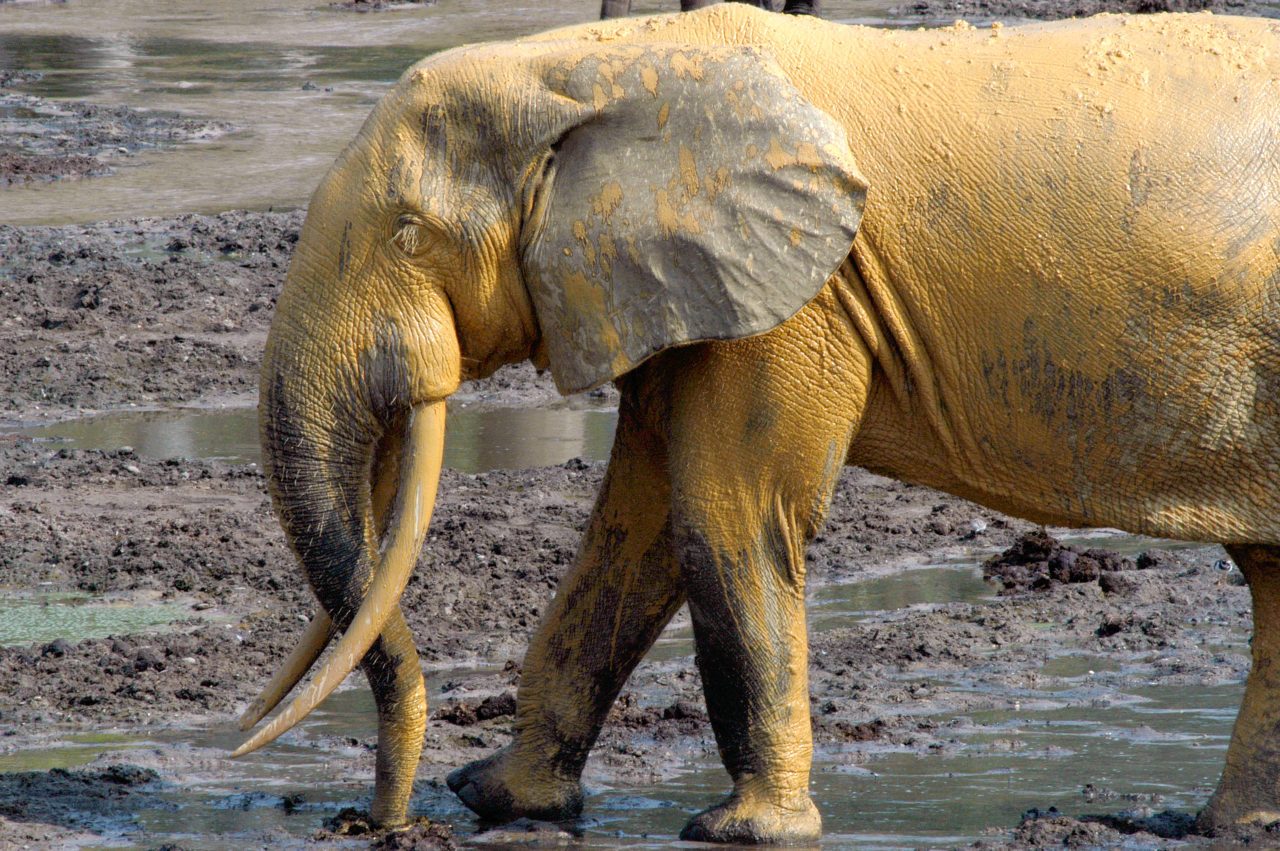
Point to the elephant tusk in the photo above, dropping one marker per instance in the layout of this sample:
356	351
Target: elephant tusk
415	497
317	637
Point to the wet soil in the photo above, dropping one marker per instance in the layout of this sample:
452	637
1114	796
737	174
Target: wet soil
41	139
202	535
379	5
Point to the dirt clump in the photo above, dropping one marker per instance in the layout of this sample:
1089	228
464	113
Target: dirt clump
1137	828
423	835
1037	561
466	713
24	168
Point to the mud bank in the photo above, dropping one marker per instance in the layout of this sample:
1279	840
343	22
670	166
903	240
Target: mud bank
155	312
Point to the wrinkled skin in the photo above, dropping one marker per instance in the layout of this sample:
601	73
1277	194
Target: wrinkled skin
1061	302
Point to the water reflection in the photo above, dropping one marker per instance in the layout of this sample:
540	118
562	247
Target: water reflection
475	441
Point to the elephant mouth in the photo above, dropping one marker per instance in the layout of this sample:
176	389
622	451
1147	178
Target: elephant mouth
409	496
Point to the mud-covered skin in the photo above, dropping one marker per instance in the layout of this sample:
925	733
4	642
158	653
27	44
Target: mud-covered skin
1060	303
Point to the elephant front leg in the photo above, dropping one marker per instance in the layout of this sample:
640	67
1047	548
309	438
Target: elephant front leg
760	429
622	590
747	601
395	677
1249	791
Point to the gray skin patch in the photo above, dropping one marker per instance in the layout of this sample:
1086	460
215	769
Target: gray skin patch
725	650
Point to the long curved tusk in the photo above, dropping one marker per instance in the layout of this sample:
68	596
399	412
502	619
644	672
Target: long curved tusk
313	642
416	496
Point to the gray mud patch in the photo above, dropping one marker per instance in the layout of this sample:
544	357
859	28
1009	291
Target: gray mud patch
42	139
63	808
379	5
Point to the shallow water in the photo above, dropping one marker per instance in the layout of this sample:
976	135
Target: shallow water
246	63
475	440
39	618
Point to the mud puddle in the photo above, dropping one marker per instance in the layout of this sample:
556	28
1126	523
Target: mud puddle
1088	723
475	440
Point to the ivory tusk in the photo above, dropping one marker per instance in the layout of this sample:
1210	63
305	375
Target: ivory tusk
313	642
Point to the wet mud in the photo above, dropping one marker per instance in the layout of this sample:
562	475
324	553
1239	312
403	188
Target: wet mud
42	139
155	312
379	5
201	535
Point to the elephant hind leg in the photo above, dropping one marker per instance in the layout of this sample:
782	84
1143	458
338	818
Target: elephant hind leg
1249	791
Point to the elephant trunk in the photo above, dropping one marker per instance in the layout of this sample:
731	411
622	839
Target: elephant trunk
353	477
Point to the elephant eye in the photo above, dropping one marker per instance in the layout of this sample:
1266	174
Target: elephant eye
411	235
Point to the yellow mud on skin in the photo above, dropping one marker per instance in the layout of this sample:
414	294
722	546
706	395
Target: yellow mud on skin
1038	268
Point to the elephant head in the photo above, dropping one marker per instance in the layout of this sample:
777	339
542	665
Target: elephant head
583	204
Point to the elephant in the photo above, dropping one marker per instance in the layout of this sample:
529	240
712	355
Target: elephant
1037	267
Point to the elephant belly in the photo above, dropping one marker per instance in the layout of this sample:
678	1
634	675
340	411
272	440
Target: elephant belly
1172	430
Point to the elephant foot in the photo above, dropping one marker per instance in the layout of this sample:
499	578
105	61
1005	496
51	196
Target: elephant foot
1225	814
502	788
742	820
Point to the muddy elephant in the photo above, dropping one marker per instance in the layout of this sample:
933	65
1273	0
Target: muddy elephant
1035	267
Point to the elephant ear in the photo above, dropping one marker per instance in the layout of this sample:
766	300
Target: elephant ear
697	196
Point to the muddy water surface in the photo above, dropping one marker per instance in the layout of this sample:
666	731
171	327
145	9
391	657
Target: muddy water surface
1161	745
1081	720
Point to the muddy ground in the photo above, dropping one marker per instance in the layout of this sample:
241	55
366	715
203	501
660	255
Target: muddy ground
1049	10
202	535
42	139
